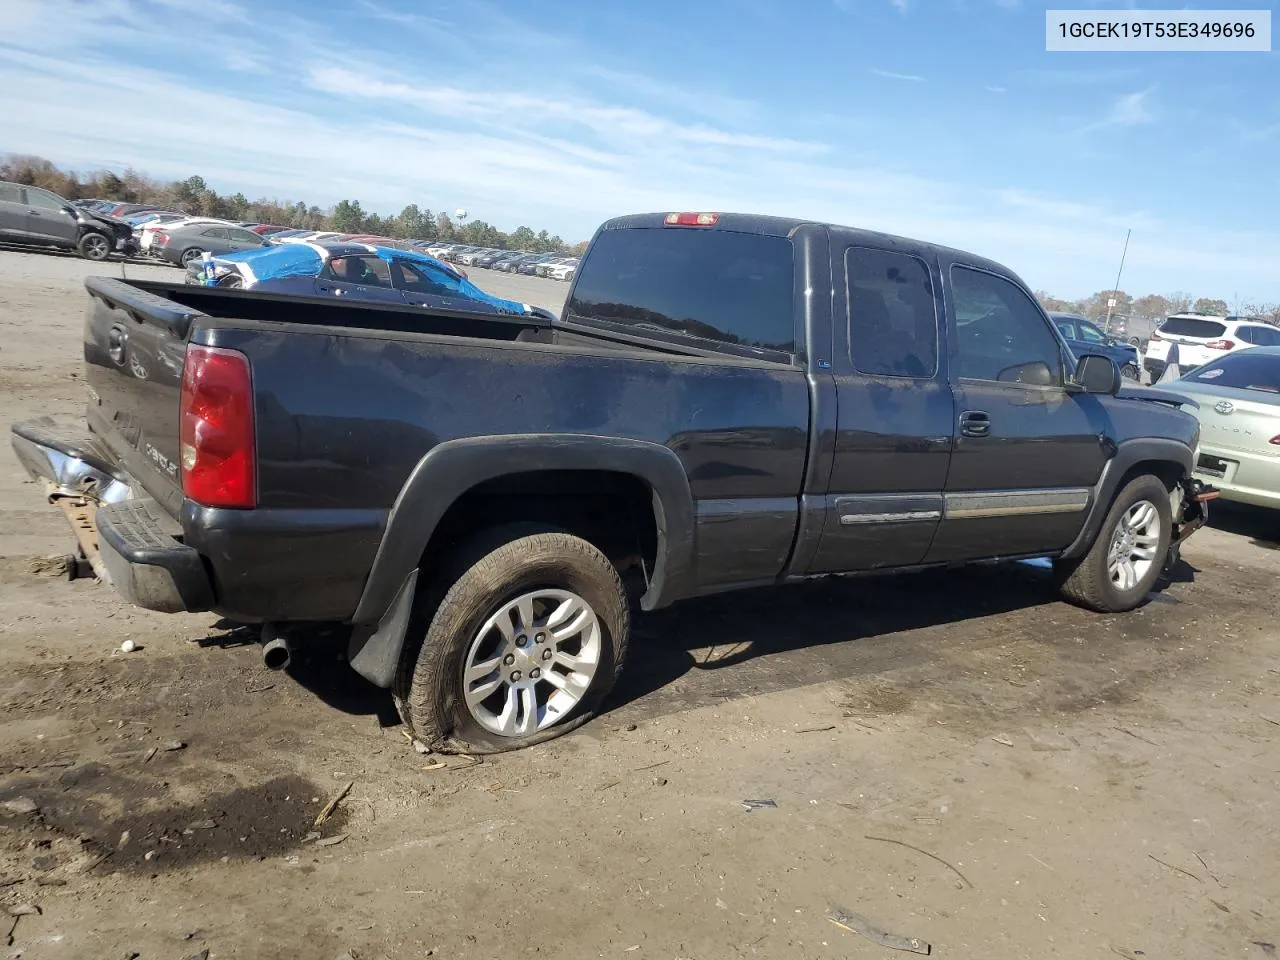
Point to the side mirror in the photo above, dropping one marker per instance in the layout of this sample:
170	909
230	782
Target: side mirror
1097	374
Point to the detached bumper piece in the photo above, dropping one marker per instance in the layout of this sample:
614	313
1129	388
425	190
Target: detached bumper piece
146	564
1193	515
127	541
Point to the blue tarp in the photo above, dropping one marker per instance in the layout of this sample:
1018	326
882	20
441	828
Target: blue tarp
307	260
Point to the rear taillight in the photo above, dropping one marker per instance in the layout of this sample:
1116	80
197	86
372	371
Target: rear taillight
1275	440
1220	344
216	428
159	239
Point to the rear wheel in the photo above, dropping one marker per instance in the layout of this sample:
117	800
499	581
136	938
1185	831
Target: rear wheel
94	246
191	255
1129	553
1130	372
523	640
233	281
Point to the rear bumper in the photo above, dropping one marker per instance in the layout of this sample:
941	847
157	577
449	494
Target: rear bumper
128	540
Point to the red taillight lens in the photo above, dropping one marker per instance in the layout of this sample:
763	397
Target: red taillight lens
1275	440
1220	344
692	219
1155	335
216	429
159	238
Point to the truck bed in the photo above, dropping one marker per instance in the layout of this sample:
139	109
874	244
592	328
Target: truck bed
349	399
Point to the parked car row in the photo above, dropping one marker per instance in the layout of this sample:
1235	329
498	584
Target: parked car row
555	266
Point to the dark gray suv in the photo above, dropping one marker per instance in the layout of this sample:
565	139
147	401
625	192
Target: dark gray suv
36	216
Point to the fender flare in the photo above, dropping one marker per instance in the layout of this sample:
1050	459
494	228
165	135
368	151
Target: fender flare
1128	454
452	468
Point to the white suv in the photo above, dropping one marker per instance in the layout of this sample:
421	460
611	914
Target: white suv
1202	338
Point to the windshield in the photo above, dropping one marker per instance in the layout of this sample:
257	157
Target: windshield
1246	370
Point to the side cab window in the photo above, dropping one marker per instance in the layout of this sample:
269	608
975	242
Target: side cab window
1001	334
893	319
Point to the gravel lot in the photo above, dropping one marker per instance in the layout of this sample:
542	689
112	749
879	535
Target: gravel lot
1098	786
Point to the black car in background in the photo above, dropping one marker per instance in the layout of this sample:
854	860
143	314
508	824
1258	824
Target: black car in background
33	215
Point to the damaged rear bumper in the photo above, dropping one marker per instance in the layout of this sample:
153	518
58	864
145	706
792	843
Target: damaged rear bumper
123	536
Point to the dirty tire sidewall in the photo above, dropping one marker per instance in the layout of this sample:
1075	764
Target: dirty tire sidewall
94	246
498	568
1088	582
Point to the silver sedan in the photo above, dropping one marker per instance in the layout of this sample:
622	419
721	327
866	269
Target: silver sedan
1239	398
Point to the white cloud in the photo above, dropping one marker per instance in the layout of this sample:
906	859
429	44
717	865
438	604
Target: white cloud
1131	110
913	77
995	89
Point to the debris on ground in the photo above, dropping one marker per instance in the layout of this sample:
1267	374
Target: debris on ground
18	912
150	753
171	745
331	841
48	566
202	955
1185	873
421	747
1003	740
128	646
203	825
848	920
750	805
816	729
932	856
332	805
20	806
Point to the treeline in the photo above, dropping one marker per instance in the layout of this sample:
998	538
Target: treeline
1155	307
194	196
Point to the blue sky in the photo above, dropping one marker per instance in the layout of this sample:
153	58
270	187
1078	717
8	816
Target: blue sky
943	120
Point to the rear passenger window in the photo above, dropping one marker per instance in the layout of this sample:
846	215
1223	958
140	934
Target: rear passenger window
893	326
716	285
1000	333
10	193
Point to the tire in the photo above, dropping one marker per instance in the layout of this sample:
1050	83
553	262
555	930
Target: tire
94	246
1130	371
1092	582
232	281
452	630
189	255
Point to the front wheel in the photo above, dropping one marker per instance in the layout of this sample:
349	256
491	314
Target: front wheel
1130	372
94	246
524	645
1129	553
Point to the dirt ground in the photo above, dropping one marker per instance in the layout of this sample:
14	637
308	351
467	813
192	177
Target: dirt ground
958	758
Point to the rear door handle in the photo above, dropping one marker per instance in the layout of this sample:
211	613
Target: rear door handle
975	423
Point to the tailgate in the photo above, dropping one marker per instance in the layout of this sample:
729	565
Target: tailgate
134	344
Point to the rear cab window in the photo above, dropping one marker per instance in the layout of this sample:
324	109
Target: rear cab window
710	287
1199	327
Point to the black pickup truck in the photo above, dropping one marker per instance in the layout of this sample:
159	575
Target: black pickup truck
728	401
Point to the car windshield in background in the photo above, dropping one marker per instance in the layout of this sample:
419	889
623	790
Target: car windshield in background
1247	370
733	288
1193	327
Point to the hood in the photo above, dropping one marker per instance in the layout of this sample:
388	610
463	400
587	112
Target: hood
114	224
1163	395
